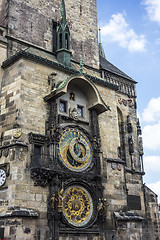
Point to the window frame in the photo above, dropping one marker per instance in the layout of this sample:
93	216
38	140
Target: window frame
82	111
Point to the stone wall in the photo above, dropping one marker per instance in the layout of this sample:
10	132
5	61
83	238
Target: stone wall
30	19
3	54
3	12
24	85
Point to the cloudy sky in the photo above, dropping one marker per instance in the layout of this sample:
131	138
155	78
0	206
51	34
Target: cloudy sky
131	40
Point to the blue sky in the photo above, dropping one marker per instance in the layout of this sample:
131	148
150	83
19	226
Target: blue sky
131	40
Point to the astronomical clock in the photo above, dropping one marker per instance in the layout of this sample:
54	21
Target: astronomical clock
76	199
75	150
72	167
77	206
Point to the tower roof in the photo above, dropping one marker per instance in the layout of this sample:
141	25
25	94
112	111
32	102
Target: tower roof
63	12
106	65
101	50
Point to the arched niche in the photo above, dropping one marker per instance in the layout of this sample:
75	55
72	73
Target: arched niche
88	89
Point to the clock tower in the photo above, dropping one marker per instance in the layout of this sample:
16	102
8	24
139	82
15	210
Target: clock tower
71	151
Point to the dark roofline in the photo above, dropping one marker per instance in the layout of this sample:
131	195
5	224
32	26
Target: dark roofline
108	66
145	186
50	63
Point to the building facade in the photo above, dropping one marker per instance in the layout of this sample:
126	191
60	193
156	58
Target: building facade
71	153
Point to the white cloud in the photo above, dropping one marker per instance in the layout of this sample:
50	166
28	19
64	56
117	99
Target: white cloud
152	163
151	137
151	132
155	187
157	42
152	111
153	9
118	30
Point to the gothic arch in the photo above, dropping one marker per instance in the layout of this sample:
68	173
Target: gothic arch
92	94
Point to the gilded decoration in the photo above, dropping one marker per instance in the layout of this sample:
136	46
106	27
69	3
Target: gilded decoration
77	206
75	150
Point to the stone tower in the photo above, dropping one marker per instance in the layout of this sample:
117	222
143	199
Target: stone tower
71	153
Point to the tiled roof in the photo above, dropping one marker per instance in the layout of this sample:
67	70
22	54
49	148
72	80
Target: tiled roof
106	65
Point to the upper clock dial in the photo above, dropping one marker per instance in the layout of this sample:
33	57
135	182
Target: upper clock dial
75	150
2	177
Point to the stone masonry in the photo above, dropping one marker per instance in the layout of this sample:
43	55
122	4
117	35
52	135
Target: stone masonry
34	88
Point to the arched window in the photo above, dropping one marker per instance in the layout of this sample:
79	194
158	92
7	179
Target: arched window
66	41
60	40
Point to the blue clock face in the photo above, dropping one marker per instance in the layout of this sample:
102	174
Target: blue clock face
75	150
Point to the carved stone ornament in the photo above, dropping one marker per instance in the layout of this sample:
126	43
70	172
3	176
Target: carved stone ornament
60	200
119	166
52	80
97	142
140	146
6	152
73	113
129	124
134	162
124	102
120	100
131	145
37	138
17	132
102	206
52	131
53	200
114	166
40	176
130	103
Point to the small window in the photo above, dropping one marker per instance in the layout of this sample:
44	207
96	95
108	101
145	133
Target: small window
37	154
80	111
1	32
66	41
62	106
1	233
60	40
54	36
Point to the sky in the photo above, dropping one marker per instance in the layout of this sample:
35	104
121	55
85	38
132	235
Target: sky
130	31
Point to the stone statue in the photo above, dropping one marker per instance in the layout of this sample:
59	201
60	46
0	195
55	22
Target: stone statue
53	199
140	146
52	130
60	200
73	113
131	145
102	205
52	81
